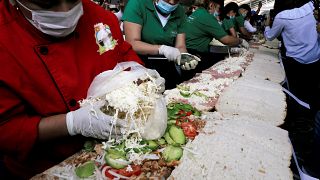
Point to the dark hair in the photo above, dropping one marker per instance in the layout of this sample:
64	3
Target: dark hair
232	6
282	5
205	3
246	7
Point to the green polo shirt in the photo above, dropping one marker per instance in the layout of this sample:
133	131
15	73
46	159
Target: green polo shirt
227	24
239	22
144	13
200	28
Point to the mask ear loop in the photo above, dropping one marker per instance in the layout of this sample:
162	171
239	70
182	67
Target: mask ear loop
24	9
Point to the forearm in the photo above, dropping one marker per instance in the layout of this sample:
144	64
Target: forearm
250	28
144	48
182	49
181	43
230	40
233	32
245	33
52	127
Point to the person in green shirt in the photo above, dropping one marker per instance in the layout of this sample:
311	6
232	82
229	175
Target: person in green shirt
237	15
228	26
201	27
154	27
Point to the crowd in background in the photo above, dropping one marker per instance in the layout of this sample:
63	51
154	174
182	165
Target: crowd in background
52	50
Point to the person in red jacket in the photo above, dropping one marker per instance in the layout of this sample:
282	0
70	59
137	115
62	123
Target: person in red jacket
50	51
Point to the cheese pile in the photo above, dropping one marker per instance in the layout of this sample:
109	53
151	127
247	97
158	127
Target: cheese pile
133	99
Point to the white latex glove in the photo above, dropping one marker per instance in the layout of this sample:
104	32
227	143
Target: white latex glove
89	121
244	44
236	50
171	53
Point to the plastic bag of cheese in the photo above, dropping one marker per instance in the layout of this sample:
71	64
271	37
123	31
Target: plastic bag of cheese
133	95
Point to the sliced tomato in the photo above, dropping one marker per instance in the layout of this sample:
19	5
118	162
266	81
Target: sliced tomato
106	170
189	129
124	172
182	120
136	170
178	122
181	112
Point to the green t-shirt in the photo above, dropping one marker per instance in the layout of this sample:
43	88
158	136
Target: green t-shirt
200	28
239	22
144	13
227	24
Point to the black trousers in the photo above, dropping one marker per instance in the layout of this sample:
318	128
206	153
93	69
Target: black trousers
303	124
166	69
304	81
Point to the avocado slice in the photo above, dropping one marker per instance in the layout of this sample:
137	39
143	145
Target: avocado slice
85	170
111	160
169	139
152	145
177	135
172	153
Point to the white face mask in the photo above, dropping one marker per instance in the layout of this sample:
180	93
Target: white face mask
57	24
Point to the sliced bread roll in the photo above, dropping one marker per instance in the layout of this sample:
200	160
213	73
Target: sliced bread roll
265	69
254	98
236	149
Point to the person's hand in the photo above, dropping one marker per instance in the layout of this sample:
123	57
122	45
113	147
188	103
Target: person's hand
171	53
189	65
90	121
244	44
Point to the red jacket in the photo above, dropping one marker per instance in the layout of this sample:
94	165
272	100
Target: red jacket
41	77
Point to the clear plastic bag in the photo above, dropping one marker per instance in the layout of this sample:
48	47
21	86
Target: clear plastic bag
123	74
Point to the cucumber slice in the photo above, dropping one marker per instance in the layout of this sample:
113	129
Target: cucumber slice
161	141
185	94
152	145
171	122
85	170
118	152
116	161
177	135
172	153
169	139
